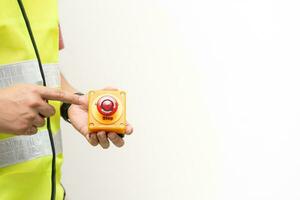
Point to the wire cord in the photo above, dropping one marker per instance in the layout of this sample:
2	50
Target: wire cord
53	172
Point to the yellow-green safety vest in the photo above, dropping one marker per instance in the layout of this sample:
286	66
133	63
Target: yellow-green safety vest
25	161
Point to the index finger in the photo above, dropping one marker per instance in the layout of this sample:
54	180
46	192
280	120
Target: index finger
59	95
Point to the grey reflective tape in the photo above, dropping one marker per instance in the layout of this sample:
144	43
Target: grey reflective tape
52	74
28	72
24	148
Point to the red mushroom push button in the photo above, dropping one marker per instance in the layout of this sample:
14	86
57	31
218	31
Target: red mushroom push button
107	105
107	111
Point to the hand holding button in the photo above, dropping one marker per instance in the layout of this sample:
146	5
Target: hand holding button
107	113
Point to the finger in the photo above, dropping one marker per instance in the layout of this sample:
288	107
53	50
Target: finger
32	130
92	139
59	95
115	139
46	110
102	138
129	129
38	121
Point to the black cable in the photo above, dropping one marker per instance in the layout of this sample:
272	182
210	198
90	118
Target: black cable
53	172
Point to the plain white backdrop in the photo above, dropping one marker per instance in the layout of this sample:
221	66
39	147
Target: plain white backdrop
213	94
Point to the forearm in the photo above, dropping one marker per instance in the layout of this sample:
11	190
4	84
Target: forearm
66	86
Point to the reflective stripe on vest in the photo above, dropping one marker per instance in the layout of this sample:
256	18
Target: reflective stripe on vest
24	148
28	72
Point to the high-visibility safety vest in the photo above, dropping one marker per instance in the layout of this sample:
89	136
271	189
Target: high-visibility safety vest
25	161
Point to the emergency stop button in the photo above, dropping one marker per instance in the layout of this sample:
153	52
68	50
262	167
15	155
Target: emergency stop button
107	105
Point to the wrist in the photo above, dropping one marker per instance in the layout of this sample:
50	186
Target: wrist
65	107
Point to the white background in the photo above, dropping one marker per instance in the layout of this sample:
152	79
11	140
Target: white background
213	94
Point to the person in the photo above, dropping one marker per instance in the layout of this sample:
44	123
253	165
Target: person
32	100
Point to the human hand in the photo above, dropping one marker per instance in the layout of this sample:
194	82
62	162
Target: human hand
23	107
78	116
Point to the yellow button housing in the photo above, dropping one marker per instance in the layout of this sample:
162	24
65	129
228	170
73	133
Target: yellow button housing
110	123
